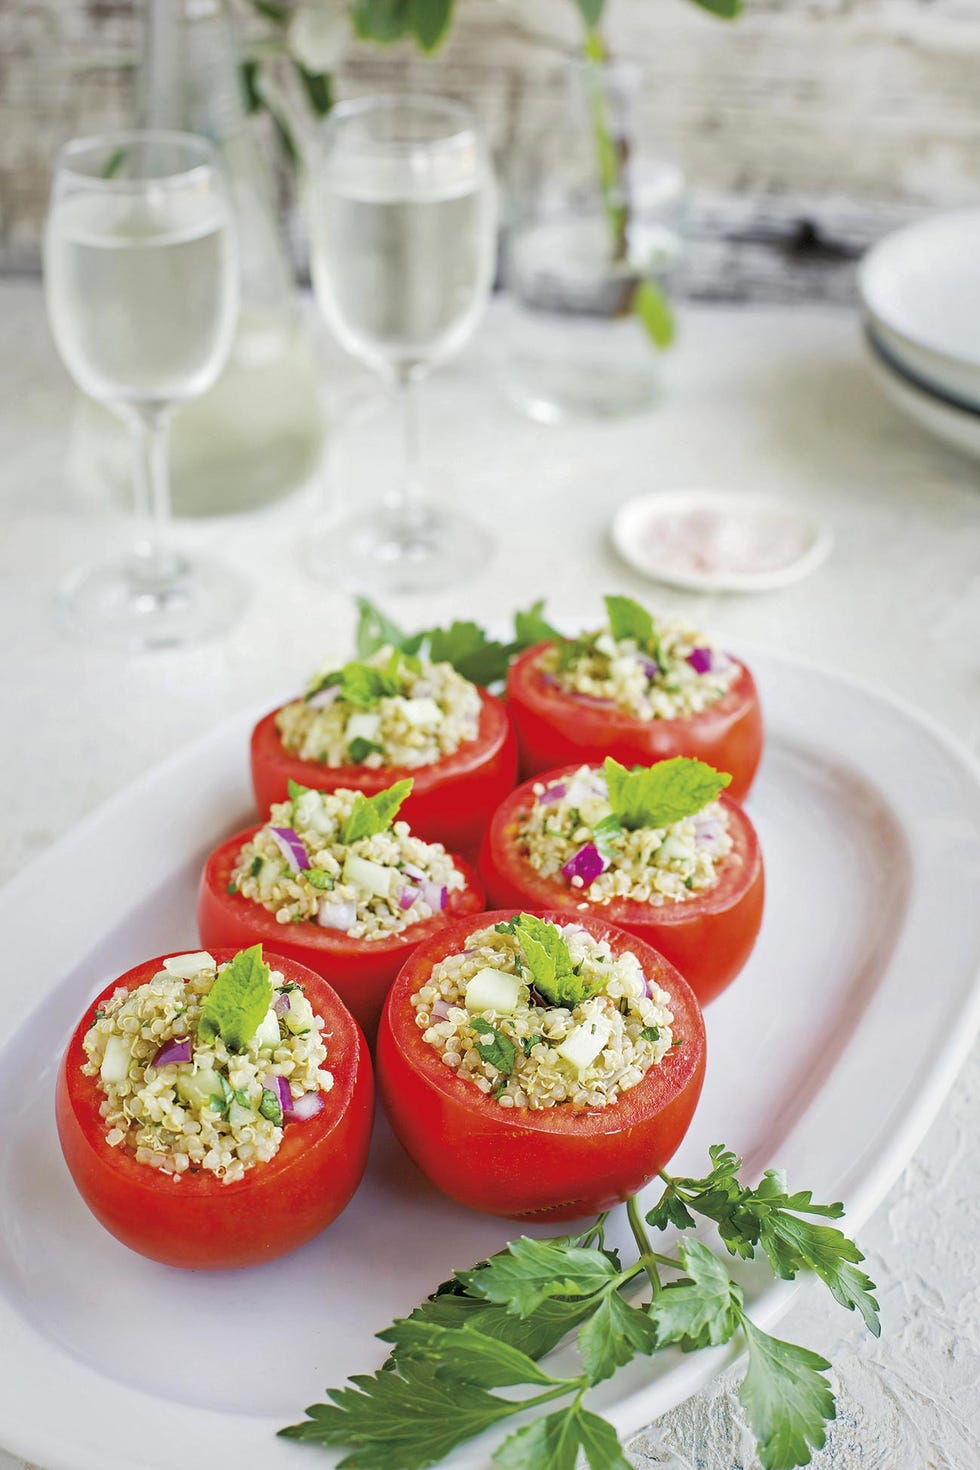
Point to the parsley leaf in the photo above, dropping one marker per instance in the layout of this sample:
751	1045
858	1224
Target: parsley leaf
786	1399
534	1335
702	1309
656	796
374	630
529	1271
532	627
237	1002
613	1335
372	814
498	1049
474	1358
319	878
548	958
554	1442
627	619
466	646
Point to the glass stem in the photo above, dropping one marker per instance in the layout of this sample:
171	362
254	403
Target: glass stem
407	502
156	565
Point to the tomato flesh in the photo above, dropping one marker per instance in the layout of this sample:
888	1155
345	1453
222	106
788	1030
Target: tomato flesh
708	936
550	1162
199	1222
451	799
555	727
360	970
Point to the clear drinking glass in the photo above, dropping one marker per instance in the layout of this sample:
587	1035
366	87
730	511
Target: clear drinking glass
403	251
141	278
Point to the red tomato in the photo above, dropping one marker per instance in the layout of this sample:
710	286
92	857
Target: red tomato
360	970
199	1222
552	1162
554	727
708	936
451	800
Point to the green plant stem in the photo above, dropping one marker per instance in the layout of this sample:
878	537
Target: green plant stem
648	1258
609	162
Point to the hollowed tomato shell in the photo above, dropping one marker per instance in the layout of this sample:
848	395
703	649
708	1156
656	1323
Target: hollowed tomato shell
198	1221
551	1162
360	970
708	936
451	800
555	728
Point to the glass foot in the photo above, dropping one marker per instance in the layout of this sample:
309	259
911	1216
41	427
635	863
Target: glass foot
380	552
123	605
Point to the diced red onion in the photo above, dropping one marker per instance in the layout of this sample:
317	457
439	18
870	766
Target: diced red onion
435	895
411	871
464	953
407	897
702	660
291	847
173	1051
651	668
440	1010
305	1107
709	830
337	915
279	1087
281	1004
552	793
323	698
587	864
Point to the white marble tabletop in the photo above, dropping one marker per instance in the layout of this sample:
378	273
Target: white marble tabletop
770	399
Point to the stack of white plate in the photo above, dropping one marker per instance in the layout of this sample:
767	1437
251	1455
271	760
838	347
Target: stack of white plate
920	292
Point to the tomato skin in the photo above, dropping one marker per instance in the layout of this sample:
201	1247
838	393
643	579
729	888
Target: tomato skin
451	800
201	1223
360	971
709	936
551	1162
554	728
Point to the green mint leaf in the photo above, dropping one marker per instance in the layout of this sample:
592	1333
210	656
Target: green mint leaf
497	1049
547	957
466	646
627	619
657	796
270	1107
701	1310
605	832
373	814
429	21
319	878
237	1002
295	790
786	1399
652	307
532	627
529	1272
528	1043
554	1442
359	749
412	1417
613	1335
465	1353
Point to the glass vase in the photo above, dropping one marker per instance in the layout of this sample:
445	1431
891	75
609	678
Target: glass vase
593	253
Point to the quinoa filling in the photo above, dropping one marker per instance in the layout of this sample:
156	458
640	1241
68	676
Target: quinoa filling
392	709
572	834
179	1097
307	865
484	1012
669	674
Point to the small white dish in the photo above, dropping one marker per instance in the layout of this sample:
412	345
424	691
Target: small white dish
956	425
920	287
718	541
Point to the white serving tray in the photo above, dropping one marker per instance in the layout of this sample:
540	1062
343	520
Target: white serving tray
828	1056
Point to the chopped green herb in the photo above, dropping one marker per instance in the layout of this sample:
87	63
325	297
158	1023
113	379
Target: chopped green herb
270	1107
359	749
231	888
319	878
97	1015
530	1042
650	1033
256	867
627	619
497	1049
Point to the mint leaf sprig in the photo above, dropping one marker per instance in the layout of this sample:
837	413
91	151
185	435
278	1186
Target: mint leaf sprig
658	796
464	644
488	1327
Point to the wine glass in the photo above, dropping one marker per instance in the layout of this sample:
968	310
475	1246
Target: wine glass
141	278
403	253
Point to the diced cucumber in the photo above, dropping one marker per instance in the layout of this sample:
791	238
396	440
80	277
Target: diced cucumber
308	812
266	1037
671	850
581	1046
198	1088
299	1017
363	726
422	711
369	877
186	966
115	1063
493	990
239	1116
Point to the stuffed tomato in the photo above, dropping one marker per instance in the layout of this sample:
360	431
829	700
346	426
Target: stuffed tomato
639	690
532	1067
335	882
661	852
214	1110
392	716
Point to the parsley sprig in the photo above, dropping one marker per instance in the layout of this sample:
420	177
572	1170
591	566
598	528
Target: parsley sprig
464	644
487	1328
